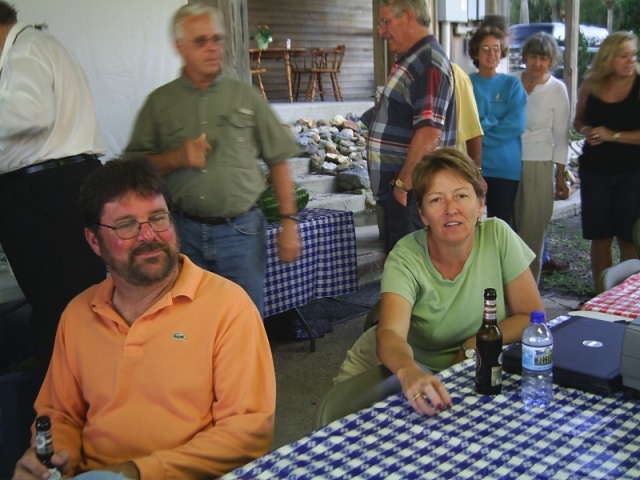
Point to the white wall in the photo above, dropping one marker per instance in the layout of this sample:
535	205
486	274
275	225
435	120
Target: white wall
125	49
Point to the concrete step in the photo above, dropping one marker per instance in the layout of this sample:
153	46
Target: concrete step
567	208
298	166
317	184
322	188
338	201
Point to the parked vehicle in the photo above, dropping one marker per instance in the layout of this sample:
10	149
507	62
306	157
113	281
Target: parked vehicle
520	33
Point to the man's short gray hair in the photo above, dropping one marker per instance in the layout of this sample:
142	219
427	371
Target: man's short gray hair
195	10
418	7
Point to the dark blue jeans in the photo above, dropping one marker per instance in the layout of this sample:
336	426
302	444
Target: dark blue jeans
399	220
236	250
501	194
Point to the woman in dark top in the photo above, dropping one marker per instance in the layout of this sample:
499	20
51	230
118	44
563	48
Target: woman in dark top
608	115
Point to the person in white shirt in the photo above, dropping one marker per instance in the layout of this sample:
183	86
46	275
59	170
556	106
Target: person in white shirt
545	144
49	142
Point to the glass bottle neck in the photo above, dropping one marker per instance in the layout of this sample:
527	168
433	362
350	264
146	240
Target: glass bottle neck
489	315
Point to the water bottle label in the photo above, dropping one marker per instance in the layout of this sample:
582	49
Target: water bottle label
537	359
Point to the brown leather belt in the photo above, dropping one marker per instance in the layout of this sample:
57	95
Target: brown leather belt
213	220
47	165
206	220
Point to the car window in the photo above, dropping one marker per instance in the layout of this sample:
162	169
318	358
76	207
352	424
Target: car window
520	33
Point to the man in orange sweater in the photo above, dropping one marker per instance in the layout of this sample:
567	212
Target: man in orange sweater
163	370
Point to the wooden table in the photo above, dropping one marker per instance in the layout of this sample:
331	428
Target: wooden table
282	53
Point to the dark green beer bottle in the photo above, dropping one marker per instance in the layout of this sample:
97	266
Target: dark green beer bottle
44	446
489	349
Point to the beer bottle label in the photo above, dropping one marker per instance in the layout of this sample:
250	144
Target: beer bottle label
496	375
44	445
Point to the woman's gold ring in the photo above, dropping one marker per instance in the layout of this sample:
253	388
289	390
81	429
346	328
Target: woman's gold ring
417	395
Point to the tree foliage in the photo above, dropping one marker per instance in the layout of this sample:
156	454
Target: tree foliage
592	12
583	56
626	15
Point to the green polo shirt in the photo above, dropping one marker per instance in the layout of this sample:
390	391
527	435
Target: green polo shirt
239	125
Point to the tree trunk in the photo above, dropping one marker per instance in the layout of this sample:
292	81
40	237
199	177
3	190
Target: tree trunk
555	11
609	4
524	11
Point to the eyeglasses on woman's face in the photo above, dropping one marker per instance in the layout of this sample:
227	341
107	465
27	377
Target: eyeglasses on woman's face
490	48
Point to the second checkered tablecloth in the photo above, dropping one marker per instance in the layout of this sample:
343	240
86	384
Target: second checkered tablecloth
622	300
327	266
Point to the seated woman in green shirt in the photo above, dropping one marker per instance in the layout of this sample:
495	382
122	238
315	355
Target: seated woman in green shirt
433	283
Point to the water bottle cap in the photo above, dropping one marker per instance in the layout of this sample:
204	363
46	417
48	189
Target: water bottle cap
537	317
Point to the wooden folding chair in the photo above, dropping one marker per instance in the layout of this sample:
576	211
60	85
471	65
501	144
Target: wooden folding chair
301	65
331	64
255	57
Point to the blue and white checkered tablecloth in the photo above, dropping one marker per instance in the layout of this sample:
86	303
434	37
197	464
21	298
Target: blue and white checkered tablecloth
327	266
581	435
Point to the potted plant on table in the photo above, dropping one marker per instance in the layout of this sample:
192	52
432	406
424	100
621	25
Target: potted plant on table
262	36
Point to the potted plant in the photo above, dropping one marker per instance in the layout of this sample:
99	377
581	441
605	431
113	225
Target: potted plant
262	36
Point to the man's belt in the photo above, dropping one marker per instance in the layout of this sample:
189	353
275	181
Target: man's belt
213	220
206	220
47	165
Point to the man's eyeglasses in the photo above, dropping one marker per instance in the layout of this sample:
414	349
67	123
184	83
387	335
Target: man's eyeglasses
131	228
384	22
200	42
491	48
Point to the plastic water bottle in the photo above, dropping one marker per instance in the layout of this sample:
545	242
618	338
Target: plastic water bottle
537	363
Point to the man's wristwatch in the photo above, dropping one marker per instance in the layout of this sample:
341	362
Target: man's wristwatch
616	136
468	352
398	183
293	216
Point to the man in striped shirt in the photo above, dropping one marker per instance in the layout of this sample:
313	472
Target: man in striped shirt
415	115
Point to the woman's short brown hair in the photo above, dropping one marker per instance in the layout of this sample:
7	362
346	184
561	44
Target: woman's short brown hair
479	35
447	158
